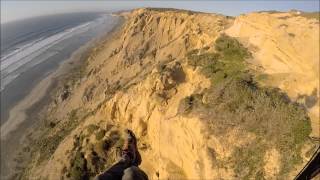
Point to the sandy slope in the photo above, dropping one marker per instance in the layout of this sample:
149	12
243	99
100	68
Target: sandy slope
155	38
286	48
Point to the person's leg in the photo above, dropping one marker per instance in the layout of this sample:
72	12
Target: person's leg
115	172
129	156
134	173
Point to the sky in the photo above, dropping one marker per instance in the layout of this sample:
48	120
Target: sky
13	10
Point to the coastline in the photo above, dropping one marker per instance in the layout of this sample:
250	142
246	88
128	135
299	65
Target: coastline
150	83
21	75
24	116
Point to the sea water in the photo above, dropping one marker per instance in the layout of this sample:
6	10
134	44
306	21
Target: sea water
33	48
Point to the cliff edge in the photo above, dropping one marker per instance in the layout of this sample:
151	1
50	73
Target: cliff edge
208	96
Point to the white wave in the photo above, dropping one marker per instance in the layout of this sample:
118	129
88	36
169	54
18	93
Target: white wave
22	52
14	60
5	80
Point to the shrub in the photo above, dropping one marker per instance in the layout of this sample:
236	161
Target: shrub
73	115
249	162
231	49
91	128
100	134
189	103
227	62
79	167
267	113
235	100
201	60
310	15
291	34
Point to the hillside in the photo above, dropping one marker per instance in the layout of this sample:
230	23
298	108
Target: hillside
286	51
208	96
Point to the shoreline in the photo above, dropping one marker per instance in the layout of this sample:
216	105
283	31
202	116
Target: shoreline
149	81
25	114
38	63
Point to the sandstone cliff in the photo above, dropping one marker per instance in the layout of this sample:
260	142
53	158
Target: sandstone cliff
160	75
286	49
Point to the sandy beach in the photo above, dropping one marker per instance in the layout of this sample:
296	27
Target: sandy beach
23	117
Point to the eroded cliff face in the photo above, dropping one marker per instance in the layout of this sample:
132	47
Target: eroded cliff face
141	79
286	50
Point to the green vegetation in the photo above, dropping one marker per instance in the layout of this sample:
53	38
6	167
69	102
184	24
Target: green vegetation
78	167
235	100
77	72
189	103
261	77
173	10
100	134
92	157
311	15
50	141
249	162
227	62
91	128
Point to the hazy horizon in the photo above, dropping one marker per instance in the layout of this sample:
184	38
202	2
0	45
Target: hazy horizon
17	10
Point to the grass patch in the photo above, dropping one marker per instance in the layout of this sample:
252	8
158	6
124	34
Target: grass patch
49	142
268	113
78	167
248	162
226	62
200	60
235	100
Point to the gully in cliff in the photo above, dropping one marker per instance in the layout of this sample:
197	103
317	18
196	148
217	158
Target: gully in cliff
127	167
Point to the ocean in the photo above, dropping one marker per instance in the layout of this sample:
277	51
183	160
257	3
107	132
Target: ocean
33	48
